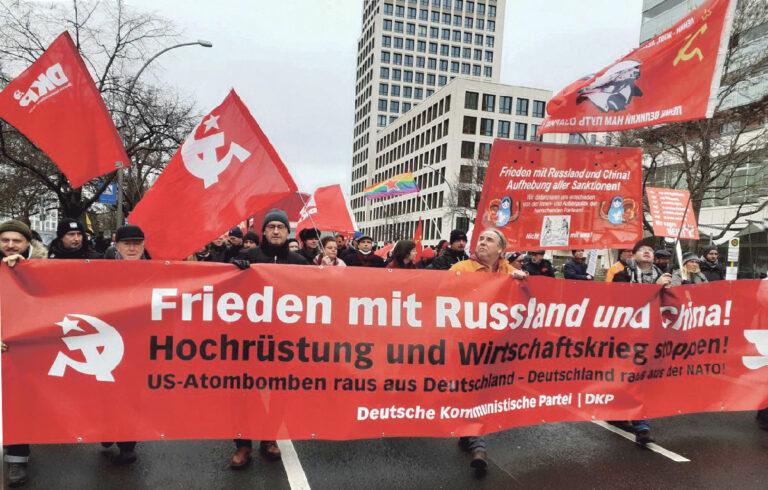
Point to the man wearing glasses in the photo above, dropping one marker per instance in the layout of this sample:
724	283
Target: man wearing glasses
272	250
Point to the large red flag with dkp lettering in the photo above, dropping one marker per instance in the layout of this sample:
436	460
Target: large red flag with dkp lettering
673	77
56	105
224	172
326	210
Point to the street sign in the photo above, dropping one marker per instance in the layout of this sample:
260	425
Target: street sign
733	250
109	196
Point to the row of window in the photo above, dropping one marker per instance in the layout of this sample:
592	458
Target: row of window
456	20
472	99
411	147
437	33
470	127
433	200
457	5
432	64
444	49
425	117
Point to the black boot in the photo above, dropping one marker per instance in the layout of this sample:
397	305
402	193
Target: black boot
17	474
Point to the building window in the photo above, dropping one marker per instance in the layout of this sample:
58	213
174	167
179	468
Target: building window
467	37
456	51
470	100
491	10
420	61
432	64
409	60
468	22
419	77
480	9
430	80
434	32
534	131
466	69
424	14
394	106
468	149
408	76
383	89
489	56
478	55
505	105
486	127
456	36
432	48
489	102
400	11
384	73
444	49
489	41
484	152
470	123
398	26
478	39
470	7
488	71
388	9
387	25
406	107
446	35
407	92
382	105
464	198
443	65
539	107
476	70
480	24
418	94
521	131
522	107
454	67
466	174
382	121
386	41
466	53
396	74
442	80
397	59
504	129
395	91
491	26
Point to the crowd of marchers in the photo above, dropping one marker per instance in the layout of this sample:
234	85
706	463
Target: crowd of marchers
271	244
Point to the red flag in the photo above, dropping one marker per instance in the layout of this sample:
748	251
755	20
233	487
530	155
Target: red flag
673	77
417	237
224	172
383	252
326	210
670	210
57	106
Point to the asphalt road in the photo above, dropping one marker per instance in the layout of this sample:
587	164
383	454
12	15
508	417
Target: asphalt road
724	451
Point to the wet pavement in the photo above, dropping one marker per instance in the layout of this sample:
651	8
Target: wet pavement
725	451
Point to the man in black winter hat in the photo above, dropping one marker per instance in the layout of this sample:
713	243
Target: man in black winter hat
711	267
272	250
455	252
71	242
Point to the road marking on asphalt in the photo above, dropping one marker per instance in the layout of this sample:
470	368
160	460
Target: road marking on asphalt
652	446
297	479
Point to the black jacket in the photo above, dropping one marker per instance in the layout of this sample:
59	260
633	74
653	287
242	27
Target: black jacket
359	259
217	253
232	252
56	250
309	254
713	272
447	259
267	254
543	268
576	270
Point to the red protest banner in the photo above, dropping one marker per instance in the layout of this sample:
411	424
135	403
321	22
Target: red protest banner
671	78
327	211
288	352
562	197
57	106
224	172
670	210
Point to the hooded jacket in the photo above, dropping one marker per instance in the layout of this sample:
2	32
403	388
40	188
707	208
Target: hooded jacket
712	271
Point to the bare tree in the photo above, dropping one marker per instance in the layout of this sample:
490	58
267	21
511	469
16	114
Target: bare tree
723	158
114	41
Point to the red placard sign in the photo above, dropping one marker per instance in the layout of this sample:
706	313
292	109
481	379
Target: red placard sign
562	197
670	210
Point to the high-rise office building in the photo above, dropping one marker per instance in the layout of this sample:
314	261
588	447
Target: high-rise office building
408	50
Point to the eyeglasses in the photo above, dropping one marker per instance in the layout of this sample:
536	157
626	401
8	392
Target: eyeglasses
275	227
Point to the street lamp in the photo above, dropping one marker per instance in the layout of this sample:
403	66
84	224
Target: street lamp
199	42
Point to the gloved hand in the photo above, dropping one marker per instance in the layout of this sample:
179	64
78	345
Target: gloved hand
241	264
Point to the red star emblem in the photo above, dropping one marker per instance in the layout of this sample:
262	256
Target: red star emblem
391	185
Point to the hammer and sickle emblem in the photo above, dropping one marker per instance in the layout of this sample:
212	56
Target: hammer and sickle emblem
684	54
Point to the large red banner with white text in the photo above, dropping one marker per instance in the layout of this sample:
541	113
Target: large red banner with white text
673	77
190	351
562	197
672	213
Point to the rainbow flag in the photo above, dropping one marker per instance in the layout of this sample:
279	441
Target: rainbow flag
394	186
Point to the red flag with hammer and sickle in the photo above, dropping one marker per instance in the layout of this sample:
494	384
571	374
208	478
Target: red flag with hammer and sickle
224	172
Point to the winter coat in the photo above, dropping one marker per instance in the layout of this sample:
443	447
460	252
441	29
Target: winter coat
713	272
57	251
446	259
36	250
359	259
309	254
543	268
698	278
472	265
268	254
232	252
217	253
576	269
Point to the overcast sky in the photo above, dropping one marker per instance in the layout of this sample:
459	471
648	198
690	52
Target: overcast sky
293	63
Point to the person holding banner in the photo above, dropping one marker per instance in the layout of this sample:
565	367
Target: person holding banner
690	273
364	256
273	250
488	257
403	255
576	268
329	255
71	242
235	241
640	270
16	244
